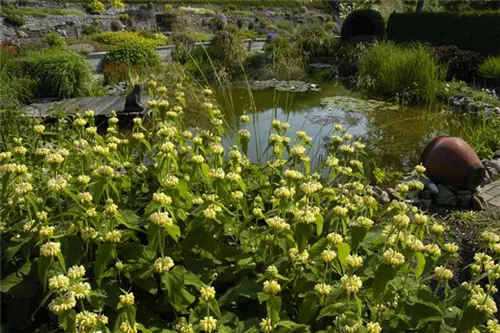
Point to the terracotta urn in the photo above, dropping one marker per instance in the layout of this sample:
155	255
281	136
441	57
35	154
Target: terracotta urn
451	161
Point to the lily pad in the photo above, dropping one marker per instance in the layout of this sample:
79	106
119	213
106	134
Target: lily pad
353	104
290	86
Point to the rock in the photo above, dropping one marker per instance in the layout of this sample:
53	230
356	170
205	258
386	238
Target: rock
133	100
424	194
494	164
497	154
464	198
478	203
22	34
496	110
62	32
393	194
381	195
493	173
445	197
425	204
429	185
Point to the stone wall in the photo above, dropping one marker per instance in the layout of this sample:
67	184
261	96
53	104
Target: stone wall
97	59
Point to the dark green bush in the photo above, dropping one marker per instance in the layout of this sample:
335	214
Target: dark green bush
116	25
59	73
20	88
477	31
90	29
15	20
134	53
54	39
217	24
363	22
461	64
124	18
407	73
240	23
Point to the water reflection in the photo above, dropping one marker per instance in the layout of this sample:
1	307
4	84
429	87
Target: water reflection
394	136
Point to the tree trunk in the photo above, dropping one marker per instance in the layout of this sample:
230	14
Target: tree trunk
420	6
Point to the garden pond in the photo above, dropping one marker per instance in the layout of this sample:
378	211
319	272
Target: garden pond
394	136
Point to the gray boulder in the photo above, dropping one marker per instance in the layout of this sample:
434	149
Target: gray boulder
445	197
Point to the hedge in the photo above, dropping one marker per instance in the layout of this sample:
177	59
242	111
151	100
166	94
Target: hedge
363	22
476	31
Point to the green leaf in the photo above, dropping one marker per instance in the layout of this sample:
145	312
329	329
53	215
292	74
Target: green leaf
214	306
470	318
318	247
154	236
359	306
319	223
330	310
383	275
358	234
302	234
105	253
191	279
309	307
9	282
343	250
174	231
43	264
183	189
67	321
419	269
172	283
273	305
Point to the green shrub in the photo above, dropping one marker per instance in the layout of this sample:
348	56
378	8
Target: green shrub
410	73
119	37
124	18
363	22
477	31
16	88
490	69
115	25
54	39
316	43
133	53
118	4
240	23
217	24
90	29
210	242
95	7
286	57
169	9
59	73
15	20
228	50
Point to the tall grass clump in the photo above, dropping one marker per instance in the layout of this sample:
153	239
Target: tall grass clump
490	69
15	88
59	73
409	73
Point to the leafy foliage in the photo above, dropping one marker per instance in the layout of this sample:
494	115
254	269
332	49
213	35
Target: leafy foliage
159	230
95	7
412	72
120	37
490	69
134	54
59	73
54	39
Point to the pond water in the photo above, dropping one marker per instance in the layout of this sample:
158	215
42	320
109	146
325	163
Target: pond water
394	136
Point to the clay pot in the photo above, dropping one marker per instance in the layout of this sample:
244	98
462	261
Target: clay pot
451	161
